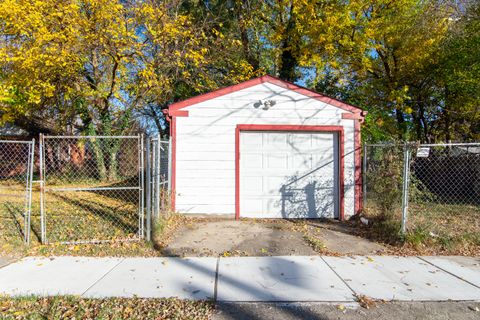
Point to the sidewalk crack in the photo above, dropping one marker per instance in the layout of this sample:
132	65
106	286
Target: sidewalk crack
446	271
99	279
348	286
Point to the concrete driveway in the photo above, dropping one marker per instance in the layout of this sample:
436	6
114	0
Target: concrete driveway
216	237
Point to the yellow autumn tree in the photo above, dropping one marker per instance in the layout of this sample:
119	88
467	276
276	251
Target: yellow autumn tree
37	56
93	65
380	47
185	53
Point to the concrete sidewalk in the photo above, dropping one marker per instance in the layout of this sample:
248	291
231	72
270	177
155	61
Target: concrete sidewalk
285	278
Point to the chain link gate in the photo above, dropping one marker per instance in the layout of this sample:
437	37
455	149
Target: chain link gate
92	188
158	179
16	172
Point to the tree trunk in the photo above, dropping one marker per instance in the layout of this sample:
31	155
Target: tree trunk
401	123
97	153
99	159
424	123
288	59
447	116
114	146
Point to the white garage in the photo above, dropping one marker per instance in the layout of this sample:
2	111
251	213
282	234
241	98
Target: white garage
266	148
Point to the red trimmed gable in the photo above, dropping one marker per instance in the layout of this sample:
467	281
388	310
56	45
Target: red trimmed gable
173	108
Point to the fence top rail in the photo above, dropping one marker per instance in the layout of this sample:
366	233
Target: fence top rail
453	144
92	137
384	144
17	141
450	144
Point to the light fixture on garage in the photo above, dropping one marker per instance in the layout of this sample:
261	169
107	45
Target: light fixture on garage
267	104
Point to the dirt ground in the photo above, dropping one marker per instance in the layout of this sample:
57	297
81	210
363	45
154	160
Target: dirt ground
396	310
225	237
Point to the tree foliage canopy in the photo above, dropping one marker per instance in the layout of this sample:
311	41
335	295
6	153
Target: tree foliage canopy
98	66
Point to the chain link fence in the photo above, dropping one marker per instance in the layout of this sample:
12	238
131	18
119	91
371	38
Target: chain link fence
16	171
431	189
383	180
158	177
444	191
92	188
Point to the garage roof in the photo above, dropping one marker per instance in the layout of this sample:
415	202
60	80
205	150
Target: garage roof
270	79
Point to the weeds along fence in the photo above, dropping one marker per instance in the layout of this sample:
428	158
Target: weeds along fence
432	188
16	172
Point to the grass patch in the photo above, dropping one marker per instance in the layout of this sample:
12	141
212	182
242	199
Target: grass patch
315	243
63	307
417	237
77	216
432	228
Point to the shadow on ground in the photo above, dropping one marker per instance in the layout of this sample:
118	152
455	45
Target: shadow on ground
217	237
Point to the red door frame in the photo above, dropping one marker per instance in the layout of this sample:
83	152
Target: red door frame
304	128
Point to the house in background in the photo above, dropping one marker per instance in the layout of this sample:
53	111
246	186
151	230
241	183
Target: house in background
266	148
10	131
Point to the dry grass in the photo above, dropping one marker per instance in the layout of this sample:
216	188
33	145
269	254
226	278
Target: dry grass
433	228
69	307
76	216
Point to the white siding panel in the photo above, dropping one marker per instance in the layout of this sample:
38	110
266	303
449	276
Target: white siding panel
207	209
205	139
205	164
349	168
206	174
218	190
203	184
205	168
201	144
204	198
273	112
250	118
204	155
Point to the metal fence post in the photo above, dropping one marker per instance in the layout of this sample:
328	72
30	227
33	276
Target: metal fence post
153	176
157	176
42	189
406	182
142	187
30	186
364	176
149	186
169	164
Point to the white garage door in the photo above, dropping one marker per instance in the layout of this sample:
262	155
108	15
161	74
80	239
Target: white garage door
288	175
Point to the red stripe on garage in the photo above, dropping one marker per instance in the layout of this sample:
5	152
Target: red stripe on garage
173	133
358	168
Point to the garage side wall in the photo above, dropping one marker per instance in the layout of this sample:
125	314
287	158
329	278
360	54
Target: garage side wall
205	143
